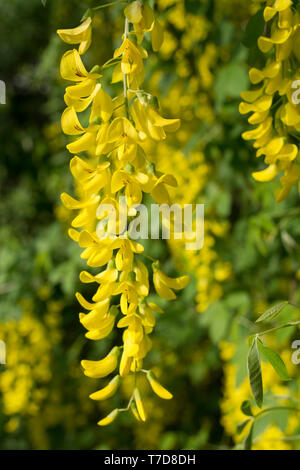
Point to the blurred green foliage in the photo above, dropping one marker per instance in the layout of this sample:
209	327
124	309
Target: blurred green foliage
39	262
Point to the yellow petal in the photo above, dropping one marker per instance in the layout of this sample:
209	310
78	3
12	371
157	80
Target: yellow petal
261	105
95	317
270	71
258	118
70	123
85	142
290	115
85	304
125	364
99	369
75	35
109	418
288	152
272	148
107	325
134	12
80	169
120	128
148	16
157	35
70	203
72	68
251	96
117	75
139	404
102	106
259	132
85	44
266	175
158	388
278	37
119	180
175	283
279	5
135	411
83	89
86	239
107	391
73	234
284	50
162	290
170	125
285	19
255	76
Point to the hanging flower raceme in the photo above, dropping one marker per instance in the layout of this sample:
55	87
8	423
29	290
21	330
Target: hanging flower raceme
273	103
116	167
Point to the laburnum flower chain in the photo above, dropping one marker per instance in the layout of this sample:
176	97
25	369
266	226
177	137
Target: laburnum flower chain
116	165
273	103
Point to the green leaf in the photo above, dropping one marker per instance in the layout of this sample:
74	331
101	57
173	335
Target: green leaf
247	443
241	426
250	340
272	312
276	328
246	408
254	29
254	371
44	2
217	319
231	80
275	360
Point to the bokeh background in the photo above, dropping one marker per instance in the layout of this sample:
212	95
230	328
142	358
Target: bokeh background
250	258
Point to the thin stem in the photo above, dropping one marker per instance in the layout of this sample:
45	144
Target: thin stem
275	408
294	135
148	257
247	324
287	397
296	437
108	4
120	106
290	324
140	91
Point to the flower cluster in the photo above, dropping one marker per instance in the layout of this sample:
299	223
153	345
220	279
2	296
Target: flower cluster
114	139
24	384
273	102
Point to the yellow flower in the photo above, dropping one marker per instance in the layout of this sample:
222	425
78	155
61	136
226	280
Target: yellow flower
164	284
73	69
102	368
81	35
143	19
278	6
93	178
274	135
158	388
116	163
131	62
123	135
150	123
109	418
107	391
139	404
266	175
